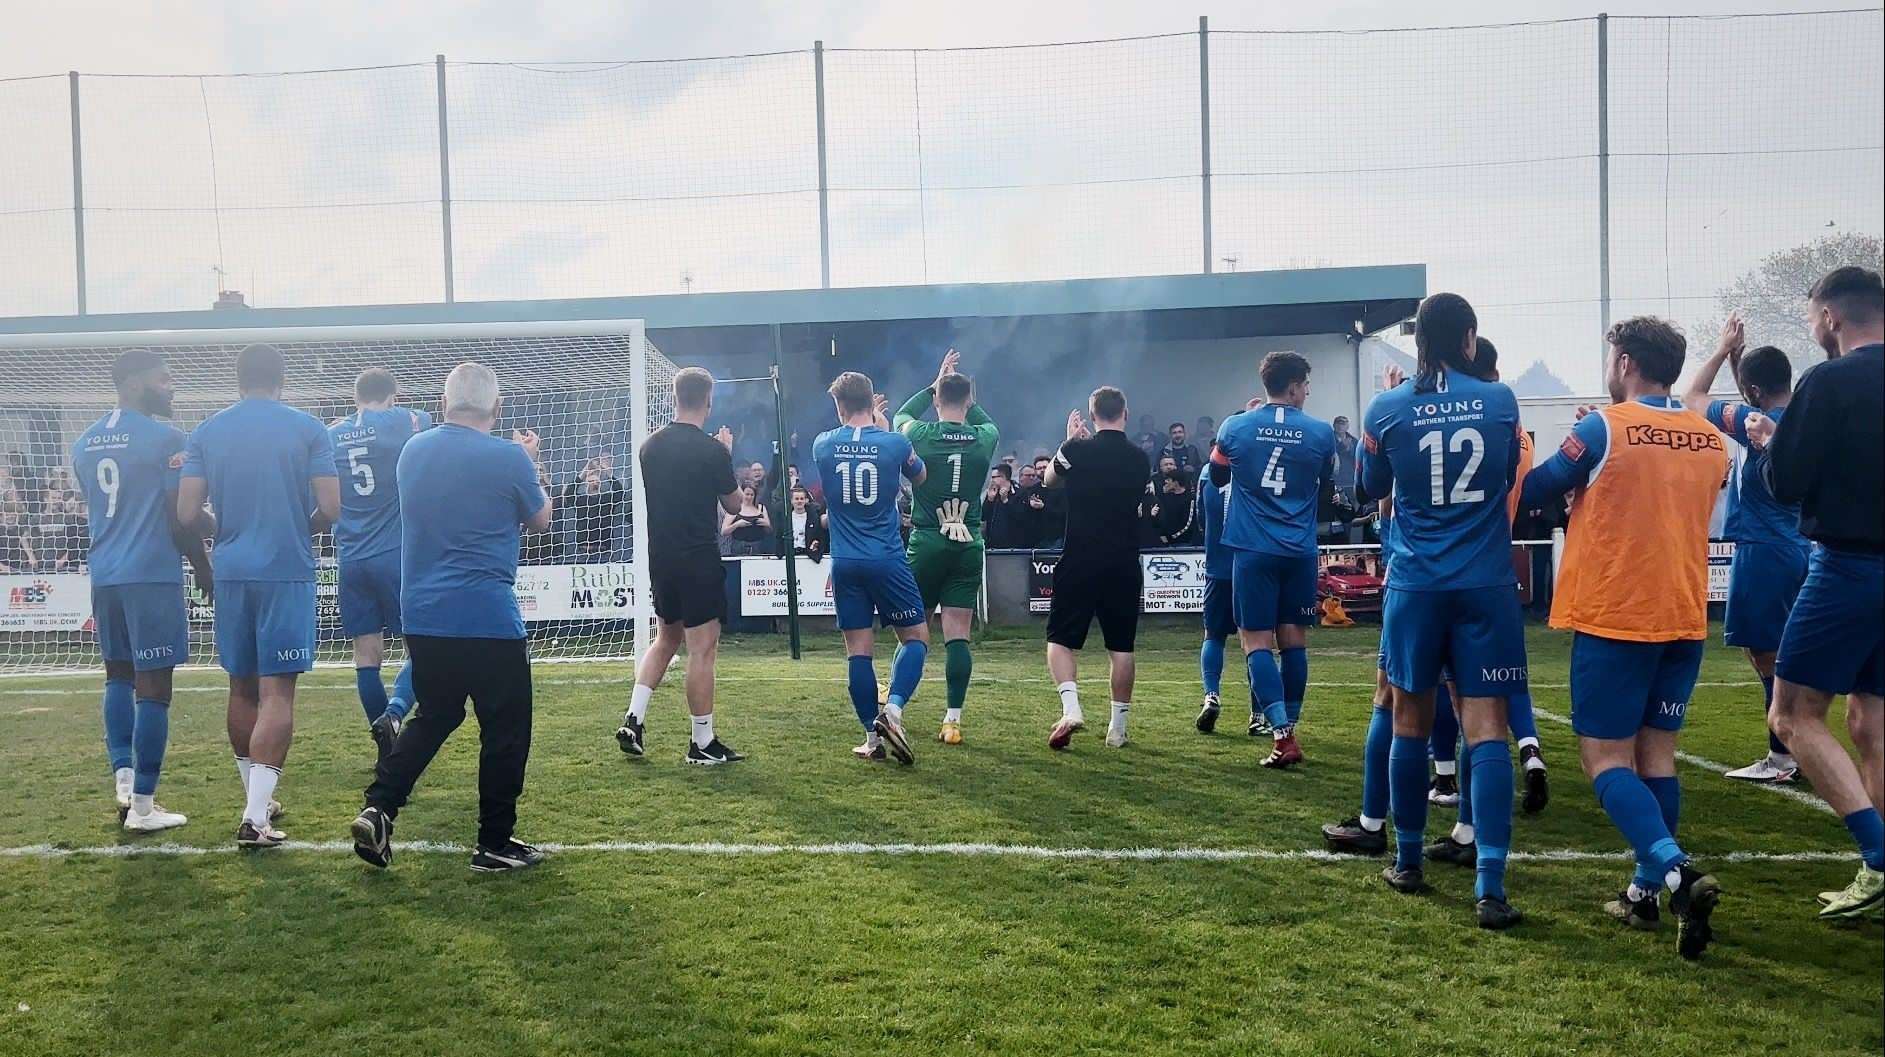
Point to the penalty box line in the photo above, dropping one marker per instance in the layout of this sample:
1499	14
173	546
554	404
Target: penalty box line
860	849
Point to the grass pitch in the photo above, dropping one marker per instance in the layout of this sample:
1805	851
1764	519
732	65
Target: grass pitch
620	948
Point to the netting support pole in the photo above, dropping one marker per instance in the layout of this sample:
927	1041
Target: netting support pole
1204	129
1603	171
445	181
78	195
638	495
824	188
782	449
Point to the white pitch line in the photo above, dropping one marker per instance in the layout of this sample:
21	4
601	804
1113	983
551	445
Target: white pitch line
1721	768
859	849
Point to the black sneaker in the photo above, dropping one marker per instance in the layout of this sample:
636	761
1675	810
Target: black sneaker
385	731
716	753
628	736
890	733
1259	725
512	855
1444	790
247	836
1351	837
1641	914
1537	786
1496	914
373	837
1207	716
1448	850
1407	882
1692	903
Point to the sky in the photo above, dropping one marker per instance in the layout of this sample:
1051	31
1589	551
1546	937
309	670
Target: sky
1471	152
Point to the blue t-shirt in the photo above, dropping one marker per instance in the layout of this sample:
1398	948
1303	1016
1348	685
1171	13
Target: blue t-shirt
1279	459
1754	515
126	464
1450	455
458	558
260	458
366	451
858	467
1213	507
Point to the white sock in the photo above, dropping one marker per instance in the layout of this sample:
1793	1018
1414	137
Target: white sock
703	728
262	779
141	803
242	768
1070	702
895	712
1372	825
1120	708
123	777
1445	768
1525	743
871	741
953	715
1673	879
1636	894
638	702
1780	759
1534	763
1462	833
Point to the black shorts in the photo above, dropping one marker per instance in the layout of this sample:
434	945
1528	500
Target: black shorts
690	588
1083	592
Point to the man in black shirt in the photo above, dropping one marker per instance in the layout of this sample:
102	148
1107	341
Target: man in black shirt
1828	455
1103	475
687	478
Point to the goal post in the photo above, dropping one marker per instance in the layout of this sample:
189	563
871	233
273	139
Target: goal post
592	389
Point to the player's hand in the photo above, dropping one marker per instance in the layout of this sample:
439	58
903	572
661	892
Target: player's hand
880	405
1585	409
1734	338
1760	429
1076	425
527	440
1035	502
949	361
725	437
1392	376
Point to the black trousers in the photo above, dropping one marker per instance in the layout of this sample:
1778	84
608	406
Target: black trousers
495	675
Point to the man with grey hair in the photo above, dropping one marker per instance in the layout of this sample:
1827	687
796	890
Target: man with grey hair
468	492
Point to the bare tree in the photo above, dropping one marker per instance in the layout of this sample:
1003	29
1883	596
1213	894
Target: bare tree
1772	297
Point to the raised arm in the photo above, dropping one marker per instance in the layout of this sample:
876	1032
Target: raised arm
915	408
1570	466
1733	340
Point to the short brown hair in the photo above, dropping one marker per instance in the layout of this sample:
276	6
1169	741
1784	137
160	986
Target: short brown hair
954	389
693	386
1280	370
1854	292
374	385
853	392
1658	348
1108	404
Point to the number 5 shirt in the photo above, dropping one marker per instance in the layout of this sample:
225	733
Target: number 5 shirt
366	451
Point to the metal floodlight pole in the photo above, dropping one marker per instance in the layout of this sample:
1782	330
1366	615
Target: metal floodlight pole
78	195
1204	128
445	181
824	184
1603	168
782	449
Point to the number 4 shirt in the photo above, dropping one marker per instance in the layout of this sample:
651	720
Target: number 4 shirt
1279	459
1450	454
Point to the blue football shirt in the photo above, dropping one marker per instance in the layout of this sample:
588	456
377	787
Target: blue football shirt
127	465
1279	458
858	467
366	451
1754	515
1450	454
260	458
458	563
1213	506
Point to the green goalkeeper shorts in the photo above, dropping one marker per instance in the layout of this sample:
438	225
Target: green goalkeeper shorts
947	573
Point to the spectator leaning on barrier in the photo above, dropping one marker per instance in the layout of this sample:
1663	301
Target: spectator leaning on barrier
806	522
748	532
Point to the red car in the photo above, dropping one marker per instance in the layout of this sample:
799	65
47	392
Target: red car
1358	590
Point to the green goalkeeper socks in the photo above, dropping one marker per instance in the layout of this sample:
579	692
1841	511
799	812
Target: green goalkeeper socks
957	665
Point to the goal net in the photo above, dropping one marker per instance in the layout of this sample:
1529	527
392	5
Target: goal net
590	389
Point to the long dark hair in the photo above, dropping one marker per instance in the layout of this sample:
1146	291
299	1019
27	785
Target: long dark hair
1440	327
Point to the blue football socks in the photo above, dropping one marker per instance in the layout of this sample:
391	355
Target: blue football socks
863	684
1490	763
1869	832
906	670
1636	814
372	691
402	700
1407	797
1374	763
120	709
150	734
1211	664
1295	663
